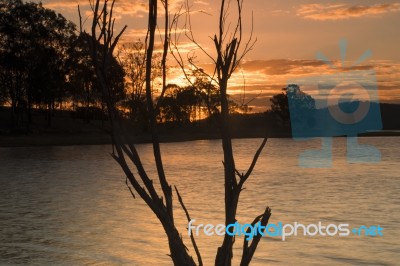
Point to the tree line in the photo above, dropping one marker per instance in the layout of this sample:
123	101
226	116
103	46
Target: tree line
45	66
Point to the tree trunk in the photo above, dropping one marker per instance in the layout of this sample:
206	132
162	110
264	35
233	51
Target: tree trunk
224	253
49	114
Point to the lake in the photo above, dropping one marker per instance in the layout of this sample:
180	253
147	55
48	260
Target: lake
70	205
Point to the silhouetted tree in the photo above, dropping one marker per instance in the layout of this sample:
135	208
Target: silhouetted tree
161	203
185	105
84	90
12	47
280	107
102	31
209	92
132	57
230	49
180	104
3	90
299	101
169	110
33	46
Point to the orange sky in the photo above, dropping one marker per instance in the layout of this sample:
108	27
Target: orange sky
289	35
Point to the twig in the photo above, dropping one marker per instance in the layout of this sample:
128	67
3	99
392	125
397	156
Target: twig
191	235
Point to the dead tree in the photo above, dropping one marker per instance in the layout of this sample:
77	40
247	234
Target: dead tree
124	149
228	58
230	50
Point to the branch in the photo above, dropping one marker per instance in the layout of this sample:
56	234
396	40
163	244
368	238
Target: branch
189	34
126	183
103	46
80	19
253	163
191	235
175	51
164	55
248	251
119	158
134	157
154	134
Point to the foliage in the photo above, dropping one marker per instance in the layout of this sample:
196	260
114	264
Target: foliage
33	53
280	103
132	57
44	63
187	104
280	107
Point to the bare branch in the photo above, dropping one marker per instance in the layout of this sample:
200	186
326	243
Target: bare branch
103	46
80	19
164	55
189	33
253	163
126	182
248	251
191	234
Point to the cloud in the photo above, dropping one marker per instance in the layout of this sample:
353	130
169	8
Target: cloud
277	67
270	76
122	7
279	12
134	35
200	2
344	11
66	4
265	78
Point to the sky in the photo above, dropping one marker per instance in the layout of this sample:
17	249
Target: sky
290	35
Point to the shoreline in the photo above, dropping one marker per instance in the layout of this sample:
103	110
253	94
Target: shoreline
38	140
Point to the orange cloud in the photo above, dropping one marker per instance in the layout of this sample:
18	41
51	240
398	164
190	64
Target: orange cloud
281	66
268	77
122	7
344	11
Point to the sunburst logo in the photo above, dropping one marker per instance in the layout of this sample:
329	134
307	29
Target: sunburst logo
346	104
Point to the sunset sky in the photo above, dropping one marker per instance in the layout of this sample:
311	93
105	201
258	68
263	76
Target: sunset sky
289	36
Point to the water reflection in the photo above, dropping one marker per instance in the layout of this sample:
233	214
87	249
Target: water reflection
70	205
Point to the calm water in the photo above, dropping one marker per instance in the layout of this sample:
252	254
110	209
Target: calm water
70	205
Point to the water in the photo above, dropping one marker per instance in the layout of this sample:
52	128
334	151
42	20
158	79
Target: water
70	205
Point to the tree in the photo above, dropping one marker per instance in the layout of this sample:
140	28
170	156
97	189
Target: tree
12	46
198	99
3	90
33	46
161	203
169	110
299	101
133	59
280	107
228	59
180	104
209	92
161	206
230	49
83	87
